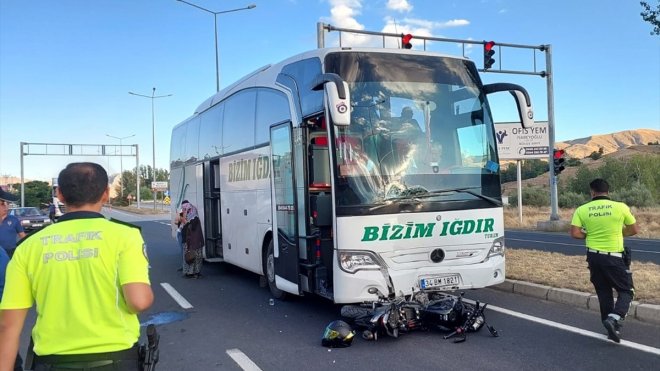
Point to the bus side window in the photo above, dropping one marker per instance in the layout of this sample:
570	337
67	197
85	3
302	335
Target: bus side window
320	170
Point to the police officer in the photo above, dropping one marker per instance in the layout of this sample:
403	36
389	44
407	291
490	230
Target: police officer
11	229
88	277
604	223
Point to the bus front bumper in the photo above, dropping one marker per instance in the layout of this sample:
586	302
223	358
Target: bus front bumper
353	287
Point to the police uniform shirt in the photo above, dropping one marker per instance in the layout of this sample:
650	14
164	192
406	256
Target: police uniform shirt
603	219
74	271
9	229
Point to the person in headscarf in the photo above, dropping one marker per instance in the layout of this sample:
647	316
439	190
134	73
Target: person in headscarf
193	241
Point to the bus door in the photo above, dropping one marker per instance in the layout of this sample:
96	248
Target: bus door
285	233
212	214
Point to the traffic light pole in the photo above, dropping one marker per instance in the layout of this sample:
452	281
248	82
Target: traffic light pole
554	202
322	28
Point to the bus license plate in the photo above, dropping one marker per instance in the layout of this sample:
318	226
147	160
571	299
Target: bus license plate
441	281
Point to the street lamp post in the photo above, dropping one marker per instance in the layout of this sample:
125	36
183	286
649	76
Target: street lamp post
215	24
153	132
121	162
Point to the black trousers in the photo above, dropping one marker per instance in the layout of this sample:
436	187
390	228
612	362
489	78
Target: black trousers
607	273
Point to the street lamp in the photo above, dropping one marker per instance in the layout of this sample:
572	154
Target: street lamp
215	23
153	132
121	162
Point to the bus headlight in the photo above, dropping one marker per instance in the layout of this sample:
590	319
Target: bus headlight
353	261
497	248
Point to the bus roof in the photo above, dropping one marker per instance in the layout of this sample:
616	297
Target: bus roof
266	75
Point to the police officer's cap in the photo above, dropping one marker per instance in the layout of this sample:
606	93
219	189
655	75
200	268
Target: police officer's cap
6	196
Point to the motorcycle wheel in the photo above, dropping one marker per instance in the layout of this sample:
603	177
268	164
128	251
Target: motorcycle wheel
355	311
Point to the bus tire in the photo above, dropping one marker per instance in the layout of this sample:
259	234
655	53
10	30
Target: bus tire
269	272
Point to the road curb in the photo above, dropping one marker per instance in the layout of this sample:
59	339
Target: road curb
644	312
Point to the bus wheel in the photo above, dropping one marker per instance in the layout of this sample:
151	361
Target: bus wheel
269	271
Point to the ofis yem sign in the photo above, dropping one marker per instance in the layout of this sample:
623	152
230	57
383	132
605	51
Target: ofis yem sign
387	232
517	143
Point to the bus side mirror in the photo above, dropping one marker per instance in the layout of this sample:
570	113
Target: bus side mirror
524	103
337	97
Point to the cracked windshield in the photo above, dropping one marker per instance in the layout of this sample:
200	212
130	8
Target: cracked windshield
409	139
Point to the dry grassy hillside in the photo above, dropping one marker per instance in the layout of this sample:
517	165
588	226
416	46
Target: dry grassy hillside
543	180
610	143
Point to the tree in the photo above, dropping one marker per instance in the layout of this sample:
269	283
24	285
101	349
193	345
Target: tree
596	155
129	181
651	16
37	193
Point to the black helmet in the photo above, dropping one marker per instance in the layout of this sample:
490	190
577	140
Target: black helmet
337	334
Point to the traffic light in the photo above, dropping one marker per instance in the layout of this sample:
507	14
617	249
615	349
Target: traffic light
558	160
489	51
405	41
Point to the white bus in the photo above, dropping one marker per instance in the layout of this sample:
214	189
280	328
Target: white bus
340	170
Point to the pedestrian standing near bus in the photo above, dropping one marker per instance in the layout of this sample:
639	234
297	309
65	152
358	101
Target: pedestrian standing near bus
88	277
193	241
180	221
604	223
11	229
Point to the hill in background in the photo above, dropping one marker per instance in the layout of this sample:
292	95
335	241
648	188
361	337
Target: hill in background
610	143
619	145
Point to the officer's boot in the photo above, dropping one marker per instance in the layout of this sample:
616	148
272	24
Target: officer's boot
613	326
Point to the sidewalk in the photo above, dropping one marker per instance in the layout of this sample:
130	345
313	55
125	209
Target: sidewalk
643	312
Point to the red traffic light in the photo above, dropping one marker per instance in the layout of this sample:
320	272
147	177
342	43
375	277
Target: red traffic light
558	153
489	51
489	46
405	41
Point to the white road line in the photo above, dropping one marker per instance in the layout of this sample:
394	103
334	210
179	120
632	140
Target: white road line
185	304
579	331
552	243
242	360
571	244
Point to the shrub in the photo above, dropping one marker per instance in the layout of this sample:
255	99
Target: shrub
532	196
595	155
568	199
637	195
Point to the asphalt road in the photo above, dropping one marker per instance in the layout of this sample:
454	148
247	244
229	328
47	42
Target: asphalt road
645	250
231	326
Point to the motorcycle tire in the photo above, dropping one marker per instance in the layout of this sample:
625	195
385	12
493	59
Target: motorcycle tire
355	311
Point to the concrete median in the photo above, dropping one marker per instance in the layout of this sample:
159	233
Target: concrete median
644	312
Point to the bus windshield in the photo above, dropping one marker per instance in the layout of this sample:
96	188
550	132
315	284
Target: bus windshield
420	131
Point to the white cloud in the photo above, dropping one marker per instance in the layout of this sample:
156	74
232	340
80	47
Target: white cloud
399	5
436	25
345	13
454	23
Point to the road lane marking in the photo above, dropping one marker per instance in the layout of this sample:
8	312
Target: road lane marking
571	244
185	304
242	360
551	243
579	331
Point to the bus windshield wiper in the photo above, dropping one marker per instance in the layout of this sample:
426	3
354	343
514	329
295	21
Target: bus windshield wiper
468	190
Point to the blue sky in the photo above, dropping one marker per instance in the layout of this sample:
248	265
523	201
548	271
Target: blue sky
66	66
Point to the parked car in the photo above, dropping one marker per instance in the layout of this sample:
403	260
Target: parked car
31	218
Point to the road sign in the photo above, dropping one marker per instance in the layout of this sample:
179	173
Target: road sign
517	143
159	186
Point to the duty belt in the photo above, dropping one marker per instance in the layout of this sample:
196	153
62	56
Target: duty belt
617	254
90	360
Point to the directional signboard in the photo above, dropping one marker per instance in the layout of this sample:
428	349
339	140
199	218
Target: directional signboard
159	186
517	143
